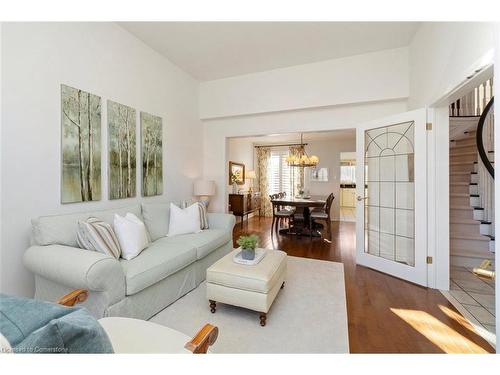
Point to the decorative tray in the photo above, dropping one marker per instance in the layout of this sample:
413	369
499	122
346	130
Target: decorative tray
259	254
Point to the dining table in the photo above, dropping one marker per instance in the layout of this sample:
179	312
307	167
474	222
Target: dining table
301	216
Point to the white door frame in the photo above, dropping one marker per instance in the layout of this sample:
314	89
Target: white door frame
438	208
438	201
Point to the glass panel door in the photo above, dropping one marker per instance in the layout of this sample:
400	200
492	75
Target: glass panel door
389	188
391	226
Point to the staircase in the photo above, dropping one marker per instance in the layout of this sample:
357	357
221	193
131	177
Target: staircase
471	191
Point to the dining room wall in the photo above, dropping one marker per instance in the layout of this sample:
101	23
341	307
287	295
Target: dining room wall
328	152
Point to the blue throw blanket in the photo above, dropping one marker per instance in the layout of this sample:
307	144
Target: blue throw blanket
33	326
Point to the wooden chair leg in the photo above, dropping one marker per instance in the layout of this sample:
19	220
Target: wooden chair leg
272	224
310	229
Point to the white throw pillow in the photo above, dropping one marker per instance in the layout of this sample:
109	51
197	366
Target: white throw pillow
184	221
132	235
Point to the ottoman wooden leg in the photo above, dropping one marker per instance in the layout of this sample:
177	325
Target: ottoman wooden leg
263	317
212	306
282	285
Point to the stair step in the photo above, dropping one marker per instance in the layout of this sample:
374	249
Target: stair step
465	208
478	255
459	146
462	162
469	141
464	221
461	236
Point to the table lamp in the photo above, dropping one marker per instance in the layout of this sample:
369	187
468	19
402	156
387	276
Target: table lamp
204	189
250	175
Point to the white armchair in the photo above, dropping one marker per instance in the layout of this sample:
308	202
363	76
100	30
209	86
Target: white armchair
129	335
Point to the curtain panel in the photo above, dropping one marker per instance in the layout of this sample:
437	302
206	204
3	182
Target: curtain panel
263	156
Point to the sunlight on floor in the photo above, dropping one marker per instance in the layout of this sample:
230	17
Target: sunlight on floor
447	339
483	332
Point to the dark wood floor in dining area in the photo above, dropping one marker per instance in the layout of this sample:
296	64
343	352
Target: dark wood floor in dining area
385	314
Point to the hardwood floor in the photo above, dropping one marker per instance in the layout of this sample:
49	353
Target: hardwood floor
386	314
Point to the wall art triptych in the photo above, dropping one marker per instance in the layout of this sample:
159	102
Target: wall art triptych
81	149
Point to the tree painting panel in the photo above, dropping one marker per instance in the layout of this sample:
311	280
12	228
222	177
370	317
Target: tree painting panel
122	154
151	150
80	145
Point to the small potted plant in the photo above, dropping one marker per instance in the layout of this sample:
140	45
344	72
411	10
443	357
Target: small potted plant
248	245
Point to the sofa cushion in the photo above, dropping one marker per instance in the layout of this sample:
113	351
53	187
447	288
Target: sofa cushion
205	242
156	217
160	260
61	229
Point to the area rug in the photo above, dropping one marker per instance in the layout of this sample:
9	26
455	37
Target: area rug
309	314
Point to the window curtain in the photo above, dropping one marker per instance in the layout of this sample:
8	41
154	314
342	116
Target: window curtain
263	155
297	172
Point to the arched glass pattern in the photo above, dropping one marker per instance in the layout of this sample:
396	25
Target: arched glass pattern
390	192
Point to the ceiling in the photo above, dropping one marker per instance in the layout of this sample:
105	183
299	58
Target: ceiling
307	137
213	50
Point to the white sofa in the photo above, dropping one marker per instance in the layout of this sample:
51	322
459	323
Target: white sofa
138	288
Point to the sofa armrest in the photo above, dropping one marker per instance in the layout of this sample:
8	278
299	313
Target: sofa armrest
77	268
221	221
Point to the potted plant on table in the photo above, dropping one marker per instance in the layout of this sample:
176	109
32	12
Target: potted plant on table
248	245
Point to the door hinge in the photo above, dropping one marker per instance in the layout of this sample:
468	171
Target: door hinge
429	126
429	260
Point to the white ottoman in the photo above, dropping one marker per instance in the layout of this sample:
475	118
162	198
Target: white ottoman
252	287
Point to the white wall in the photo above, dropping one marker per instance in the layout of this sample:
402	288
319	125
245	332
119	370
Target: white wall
377	76
328	152
217	131
443	54
497	162
106	60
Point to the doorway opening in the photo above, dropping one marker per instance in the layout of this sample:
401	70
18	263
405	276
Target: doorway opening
348	186
269	170
472	200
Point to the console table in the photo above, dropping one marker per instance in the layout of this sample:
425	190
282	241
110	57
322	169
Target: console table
244	204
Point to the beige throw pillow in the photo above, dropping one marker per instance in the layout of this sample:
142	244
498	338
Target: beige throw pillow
97	235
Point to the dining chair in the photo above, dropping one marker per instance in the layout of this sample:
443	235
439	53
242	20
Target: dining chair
322	214
279	213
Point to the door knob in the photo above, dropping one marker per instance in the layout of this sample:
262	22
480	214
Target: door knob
360	198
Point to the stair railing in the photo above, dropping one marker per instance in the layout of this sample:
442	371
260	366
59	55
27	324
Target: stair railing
474	103
486	171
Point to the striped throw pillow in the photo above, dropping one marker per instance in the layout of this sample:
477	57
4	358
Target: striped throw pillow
203	211
203	215
97	235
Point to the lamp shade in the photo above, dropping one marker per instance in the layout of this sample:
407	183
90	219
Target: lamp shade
204	187
250	175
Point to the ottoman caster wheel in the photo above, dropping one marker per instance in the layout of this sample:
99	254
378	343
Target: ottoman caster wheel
212	306
263	318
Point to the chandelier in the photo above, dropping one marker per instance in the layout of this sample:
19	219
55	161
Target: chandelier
299	158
